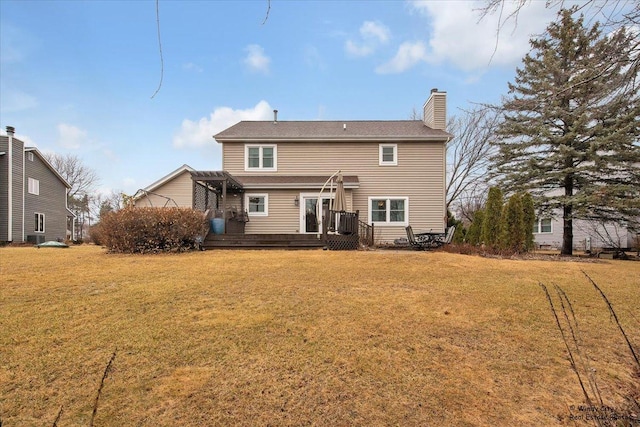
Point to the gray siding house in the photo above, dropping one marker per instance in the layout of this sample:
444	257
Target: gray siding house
33	196
393	171
587	235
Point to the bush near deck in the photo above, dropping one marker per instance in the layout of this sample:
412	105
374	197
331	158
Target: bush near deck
146	229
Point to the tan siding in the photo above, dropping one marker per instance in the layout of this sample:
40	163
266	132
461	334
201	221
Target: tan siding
435	111
419	176
180	189
283	214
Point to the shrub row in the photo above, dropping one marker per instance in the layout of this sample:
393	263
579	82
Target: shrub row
150	230
502	227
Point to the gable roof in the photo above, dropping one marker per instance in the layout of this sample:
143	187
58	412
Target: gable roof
47	164
171	175
359	130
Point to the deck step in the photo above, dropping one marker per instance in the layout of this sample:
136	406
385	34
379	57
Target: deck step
265	241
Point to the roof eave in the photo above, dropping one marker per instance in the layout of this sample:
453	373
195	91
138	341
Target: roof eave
435	138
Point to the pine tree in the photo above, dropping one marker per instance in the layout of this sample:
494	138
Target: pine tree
529	220
475	229
490	234
571	126
512	235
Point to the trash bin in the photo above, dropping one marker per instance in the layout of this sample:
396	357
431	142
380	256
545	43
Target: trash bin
217	225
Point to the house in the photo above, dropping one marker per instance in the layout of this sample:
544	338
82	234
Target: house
174	189
393	173
33	195
587	235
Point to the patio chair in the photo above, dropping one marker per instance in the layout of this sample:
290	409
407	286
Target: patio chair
424	241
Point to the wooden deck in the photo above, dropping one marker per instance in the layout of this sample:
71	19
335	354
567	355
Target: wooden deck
262	241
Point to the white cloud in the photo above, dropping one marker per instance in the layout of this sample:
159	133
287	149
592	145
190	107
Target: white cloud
256	60
355	49
190	66
71	137
409	54
313	58
459	36
373	34
375	30
14	100
200	133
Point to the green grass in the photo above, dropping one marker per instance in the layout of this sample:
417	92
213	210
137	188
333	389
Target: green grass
302	338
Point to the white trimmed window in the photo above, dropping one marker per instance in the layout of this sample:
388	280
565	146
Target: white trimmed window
39	224
542	225
34	186
389	211
257	204
30	156
260	157
388	155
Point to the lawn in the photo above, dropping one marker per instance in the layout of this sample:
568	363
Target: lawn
304	338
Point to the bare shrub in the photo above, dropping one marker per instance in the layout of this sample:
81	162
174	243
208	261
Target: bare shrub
152	230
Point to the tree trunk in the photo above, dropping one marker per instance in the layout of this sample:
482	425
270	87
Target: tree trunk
567	214
567	232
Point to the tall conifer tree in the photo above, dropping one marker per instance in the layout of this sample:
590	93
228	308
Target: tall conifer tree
490	235
571	126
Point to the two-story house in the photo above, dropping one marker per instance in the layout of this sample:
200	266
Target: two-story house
393	172
33	195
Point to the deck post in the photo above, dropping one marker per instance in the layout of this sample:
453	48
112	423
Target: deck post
224	204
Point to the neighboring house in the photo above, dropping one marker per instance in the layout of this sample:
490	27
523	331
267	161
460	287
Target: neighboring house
33	196
394	173
587	235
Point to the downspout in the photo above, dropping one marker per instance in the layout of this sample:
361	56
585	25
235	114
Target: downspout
24	176
445	182
10	131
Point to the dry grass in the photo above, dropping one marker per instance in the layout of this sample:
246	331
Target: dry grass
301	338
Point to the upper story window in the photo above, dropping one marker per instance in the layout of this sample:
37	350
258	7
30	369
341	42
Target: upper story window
30	156
388	155
257	204
261	157
389	211
542	226
34	186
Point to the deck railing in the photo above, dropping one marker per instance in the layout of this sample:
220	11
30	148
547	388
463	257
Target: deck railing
344	230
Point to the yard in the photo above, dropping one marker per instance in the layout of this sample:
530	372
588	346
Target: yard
305	338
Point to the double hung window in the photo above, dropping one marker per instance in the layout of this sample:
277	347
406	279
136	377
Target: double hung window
542	225
261	158
389	210
257	204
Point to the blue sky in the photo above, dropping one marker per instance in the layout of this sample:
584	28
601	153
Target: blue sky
78	76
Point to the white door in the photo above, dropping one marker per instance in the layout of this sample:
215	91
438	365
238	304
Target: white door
310	217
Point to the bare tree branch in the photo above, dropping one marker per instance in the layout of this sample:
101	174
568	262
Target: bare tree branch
267	14
160	48
469	153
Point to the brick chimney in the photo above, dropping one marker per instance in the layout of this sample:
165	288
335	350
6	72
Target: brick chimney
435	110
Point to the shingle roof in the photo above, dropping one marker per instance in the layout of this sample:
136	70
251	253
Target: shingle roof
366	130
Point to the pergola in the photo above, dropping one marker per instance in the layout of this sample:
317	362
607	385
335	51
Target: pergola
209	184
